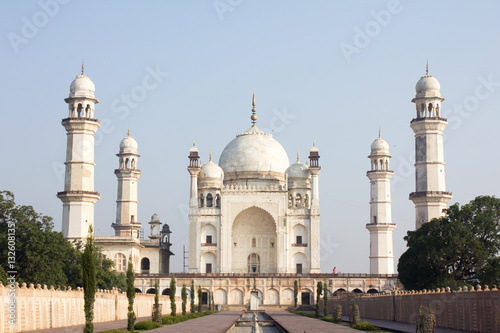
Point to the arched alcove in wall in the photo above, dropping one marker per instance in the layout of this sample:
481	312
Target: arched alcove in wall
254	224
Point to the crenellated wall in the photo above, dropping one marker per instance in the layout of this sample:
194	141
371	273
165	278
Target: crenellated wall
45	307
475	310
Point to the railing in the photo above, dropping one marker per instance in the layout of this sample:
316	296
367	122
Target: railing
77	192
269	275
425	193
80	118
427	118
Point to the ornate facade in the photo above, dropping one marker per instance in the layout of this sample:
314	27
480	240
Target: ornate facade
254	212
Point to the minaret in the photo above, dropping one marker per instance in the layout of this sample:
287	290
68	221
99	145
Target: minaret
126	202
194	229
430	196
380	225
79	196
314	169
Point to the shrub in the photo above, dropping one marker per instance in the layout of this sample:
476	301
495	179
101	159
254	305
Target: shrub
115	331
327	318
364	326
337	313
146	325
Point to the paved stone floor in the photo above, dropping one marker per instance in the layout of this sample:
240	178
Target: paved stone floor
300	324
98	327
217	323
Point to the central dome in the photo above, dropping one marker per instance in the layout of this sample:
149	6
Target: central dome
254	155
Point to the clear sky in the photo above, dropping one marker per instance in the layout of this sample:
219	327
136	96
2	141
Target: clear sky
328	71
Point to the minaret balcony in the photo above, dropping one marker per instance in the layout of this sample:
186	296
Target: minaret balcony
375	171
422	194
428	118
75	119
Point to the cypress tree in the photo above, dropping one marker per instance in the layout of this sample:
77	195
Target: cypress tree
295	293
199	298
193	309
184	299
173	307
156	307
325	299
89	282
130	295
319	290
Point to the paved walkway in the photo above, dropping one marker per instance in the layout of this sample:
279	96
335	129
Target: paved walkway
301	324
217	323
98	327
402	327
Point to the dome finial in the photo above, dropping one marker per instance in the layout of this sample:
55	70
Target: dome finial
83	66
254	116
210	156
427	68
298	156
314	143
128	132
379	131
194	144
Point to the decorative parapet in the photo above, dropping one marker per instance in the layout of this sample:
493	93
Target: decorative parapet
253	188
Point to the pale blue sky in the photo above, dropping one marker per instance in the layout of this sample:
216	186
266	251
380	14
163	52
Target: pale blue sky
289	53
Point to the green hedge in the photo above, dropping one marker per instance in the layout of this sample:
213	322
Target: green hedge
365	326
146	325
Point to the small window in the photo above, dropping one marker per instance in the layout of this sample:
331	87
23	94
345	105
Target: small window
209	268
299	240
299	268
374	220
209	239
254	242
210	200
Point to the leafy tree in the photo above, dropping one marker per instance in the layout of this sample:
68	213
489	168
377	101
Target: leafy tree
319	290
173	307
184	298
89	282
295	293
192	297
130	295
44	256
460	248
325	299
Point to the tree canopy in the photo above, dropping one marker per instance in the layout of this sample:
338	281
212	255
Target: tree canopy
460	248
44	256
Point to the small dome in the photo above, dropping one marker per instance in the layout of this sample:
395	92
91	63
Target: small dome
211	170
428	86
155	218
82	86
379	146
128	145
165	229
298	170
314	148
193	149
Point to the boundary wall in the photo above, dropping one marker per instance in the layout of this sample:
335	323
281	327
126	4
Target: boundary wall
474	310
46	307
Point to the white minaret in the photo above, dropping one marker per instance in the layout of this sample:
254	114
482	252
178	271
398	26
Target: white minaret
380	225
194	229
126	202
78	196
430	196
314	169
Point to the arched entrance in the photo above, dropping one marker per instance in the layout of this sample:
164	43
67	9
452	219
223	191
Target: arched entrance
254	242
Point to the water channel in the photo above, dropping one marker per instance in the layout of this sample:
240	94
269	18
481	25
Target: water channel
255	322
